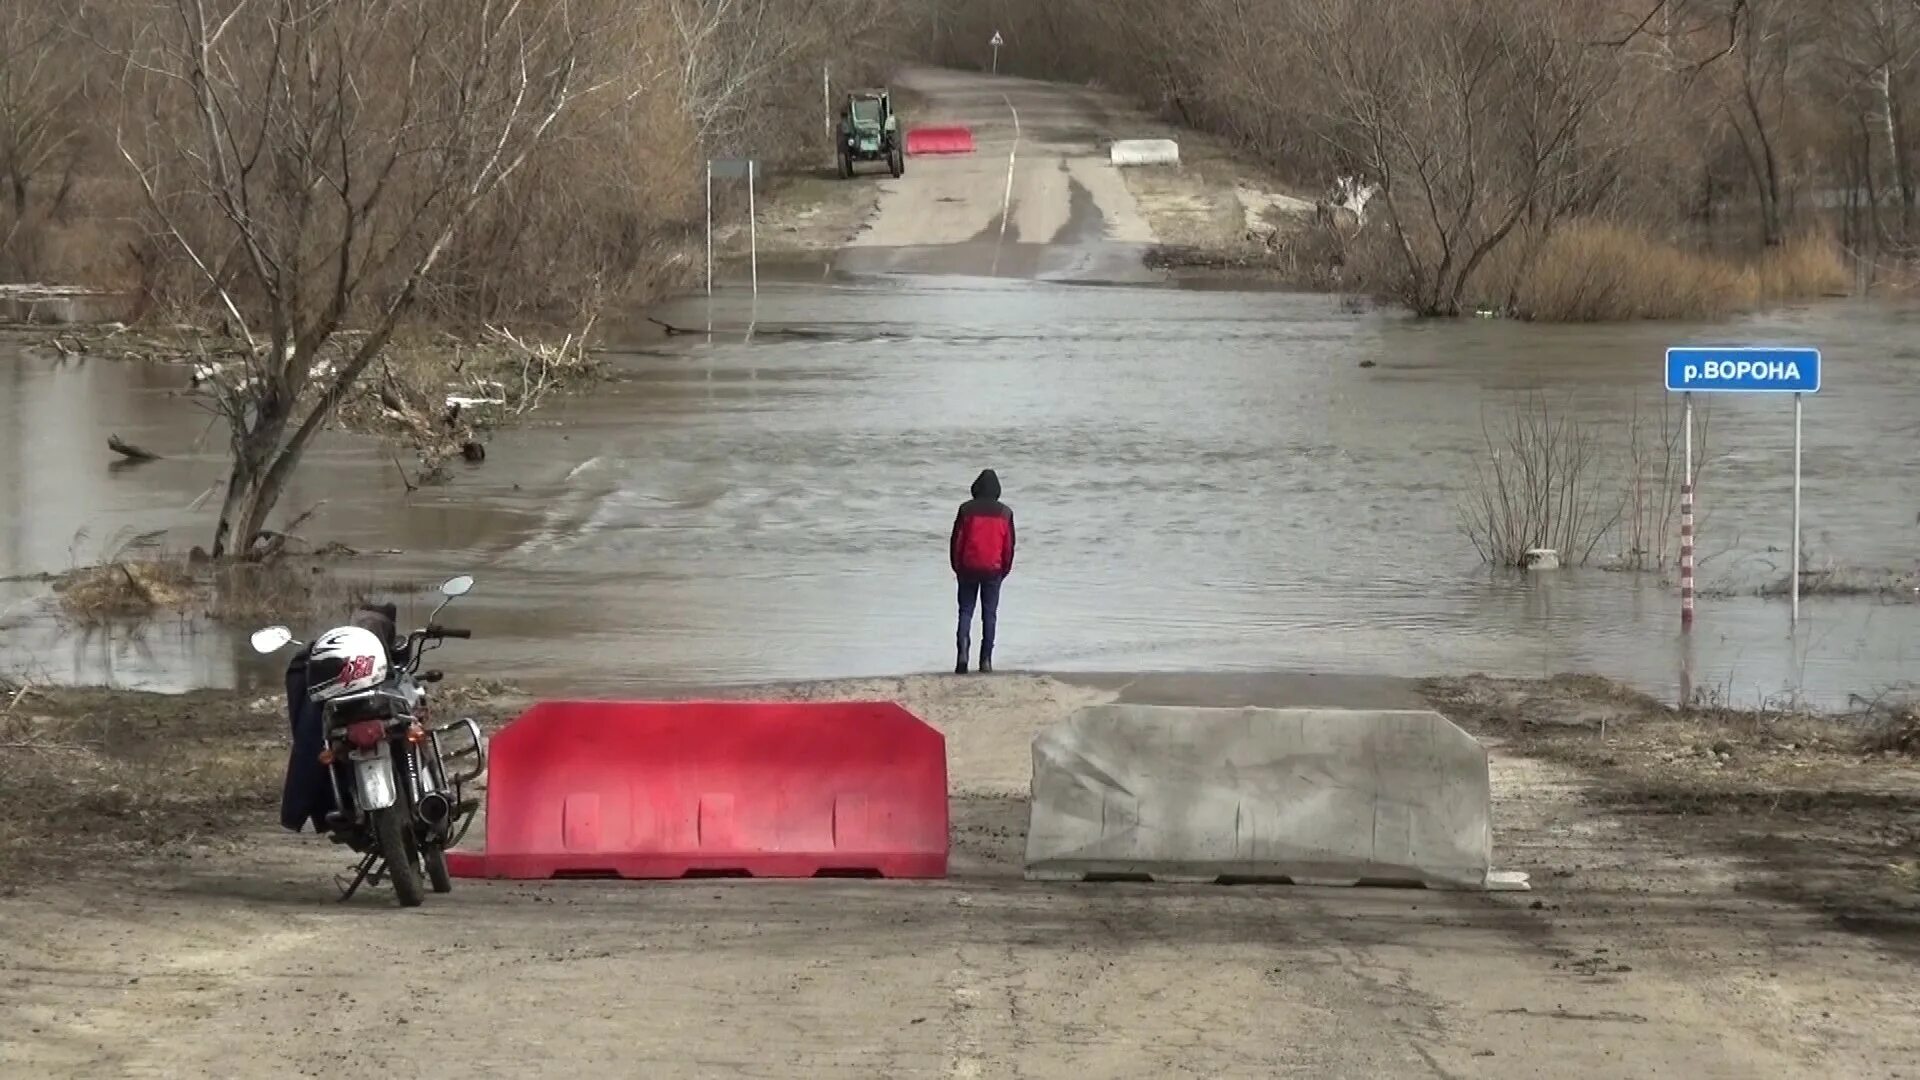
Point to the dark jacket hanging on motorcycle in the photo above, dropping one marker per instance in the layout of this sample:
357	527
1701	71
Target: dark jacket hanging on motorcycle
307	795
981	547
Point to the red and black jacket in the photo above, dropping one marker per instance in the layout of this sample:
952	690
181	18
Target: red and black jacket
983	538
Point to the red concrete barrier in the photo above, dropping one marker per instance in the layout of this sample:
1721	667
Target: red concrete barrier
735	789
940	140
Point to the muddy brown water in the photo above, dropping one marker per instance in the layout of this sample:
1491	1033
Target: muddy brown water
1204	480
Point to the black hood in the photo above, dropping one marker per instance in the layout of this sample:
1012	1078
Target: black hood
986	485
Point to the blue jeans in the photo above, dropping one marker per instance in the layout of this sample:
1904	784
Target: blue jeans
987	593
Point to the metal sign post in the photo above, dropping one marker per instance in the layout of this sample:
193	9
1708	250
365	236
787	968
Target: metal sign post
996	43
753	234
826	110
1739	370
734	169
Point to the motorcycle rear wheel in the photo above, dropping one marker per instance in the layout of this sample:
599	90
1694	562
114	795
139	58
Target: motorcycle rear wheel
397	848
437	873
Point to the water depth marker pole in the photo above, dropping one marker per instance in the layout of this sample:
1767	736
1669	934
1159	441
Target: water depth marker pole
1686	518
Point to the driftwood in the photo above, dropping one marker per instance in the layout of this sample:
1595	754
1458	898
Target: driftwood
798	333
129	451
670	328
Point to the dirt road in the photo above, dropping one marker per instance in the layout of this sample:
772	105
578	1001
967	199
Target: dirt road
1037	198
1647	948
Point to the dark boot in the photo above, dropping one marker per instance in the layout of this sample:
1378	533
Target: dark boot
960	662
986	660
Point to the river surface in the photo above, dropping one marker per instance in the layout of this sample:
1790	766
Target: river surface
1205	480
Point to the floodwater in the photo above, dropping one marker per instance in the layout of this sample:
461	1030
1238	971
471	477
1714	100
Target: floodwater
1203	480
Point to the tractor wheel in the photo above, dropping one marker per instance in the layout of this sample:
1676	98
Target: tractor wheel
846	165
896	161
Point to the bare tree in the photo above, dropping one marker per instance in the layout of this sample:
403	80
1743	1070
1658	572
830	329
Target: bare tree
1766	42
38	82
1471	115
742	61
313	160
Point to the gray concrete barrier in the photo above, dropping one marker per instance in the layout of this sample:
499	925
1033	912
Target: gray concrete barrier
1308	796
1135	152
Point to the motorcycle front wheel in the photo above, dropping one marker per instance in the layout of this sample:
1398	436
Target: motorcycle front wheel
396	847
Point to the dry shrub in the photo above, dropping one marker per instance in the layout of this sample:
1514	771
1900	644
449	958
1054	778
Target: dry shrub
1897	732
1594	271
1597	272
1807	266
1541	483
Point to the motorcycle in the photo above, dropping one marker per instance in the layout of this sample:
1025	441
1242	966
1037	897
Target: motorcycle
400	785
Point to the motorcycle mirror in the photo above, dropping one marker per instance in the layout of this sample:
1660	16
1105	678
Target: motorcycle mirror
271	640
453	587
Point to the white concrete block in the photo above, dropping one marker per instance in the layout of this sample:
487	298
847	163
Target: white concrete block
1311	796
1131	152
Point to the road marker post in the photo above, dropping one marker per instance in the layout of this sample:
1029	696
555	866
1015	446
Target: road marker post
1686	517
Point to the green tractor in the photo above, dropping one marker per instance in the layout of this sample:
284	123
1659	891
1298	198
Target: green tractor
869	131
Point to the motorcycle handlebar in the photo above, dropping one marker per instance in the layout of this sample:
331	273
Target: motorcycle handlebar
448	632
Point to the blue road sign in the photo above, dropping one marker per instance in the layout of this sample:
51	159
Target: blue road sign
1743	371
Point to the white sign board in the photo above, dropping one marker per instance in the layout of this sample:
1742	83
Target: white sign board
997	40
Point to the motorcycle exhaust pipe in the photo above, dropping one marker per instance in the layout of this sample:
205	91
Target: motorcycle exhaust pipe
434	809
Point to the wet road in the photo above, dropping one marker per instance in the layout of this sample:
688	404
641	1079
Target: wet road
1204	480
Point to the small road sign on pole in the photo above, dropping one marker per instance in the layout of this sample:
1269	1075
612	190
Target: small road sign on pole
996	43
1739	370
1743	371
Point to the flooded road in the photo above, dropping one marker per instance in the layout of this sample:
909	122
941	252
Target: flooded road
1204	480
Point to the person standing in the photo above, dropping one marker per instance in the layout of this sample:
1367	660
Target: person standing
981	553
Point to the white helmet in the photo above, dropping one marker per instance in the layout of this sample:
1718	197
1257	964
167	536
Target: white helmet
345	660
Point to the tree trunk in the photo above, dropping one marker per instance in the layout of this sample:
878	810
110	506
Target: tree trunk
254	451
267	489
239	485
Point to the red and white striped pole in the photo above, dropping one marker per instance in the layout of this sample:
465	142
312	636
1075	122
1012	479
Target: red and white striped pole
1686	520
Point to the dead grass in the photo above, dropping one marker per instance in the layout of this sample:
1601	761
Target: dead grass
1601	272
1824	808
230	592
92	774
1834	581
125	589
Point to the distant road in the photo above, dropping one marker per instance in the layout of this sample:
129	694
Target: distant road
1036	199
